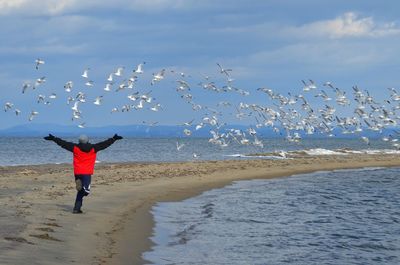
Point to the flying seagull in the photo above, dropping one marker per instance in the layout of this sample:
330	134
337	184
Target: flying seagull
38	62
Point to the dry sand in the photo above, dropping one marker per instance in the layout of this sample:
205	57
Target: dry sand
37	226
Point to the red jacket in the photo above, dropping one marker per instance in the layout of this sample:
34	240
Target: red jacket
84	154
83	161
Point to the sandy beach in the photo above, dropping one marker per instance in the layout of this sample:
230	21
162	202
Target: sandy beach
38	227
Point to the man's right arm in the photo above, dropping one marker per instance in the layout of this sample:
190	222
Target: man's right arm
64	144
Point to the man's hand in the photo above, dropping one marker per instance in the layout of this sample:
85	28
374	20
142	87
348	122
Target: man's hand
117	137
49	138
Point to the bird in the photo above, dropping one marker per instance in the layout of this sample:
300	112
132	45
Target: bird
39	81
310	86
258	142
187	132
81	97
183	85
17	112
139	68
98	100
8	106
252	131
189	123
82	125
25	86
33	114
75	107
140	105
156	107
41	98
89	83
134	96
76	114
179	146
119	71
158	77
68	86
110	78
121	86
126	108
365	139
108	87
38	62
199	126
86	73
223	70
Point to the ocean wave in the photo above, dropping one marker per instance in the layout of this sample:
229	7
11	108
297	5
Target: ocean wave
272	157
315	152
322	151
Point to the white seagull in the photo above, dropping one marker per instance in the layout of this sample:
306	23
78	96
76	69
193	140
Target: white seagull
33	114
89	83
139	68
108	87
156	107
39	81
25	86
224	71
179	146
68	86
365	139
119	71
8	106
158	77
98	100
187	132
75	107
110	78
38	62
86	73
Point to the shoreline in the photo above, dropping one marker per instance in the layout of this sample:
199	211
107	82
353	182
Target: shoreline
39	228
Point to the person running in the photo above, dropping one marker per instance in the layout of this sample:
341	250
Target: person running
83	161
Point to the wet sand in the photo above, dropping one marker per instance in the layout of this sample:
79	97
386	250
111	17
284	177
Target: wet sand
37	226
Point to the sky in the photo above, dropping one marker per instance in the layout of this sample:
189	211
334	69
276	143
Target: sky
272	43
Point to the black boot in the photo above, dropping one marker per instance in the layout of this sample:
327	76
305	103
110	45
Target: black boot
77	207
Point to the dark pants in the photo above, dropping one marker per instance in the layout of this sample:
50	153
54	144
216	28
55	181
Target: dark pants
84	191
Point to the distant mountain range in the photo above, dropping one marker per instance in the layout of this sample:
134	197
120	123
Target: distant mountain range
146	131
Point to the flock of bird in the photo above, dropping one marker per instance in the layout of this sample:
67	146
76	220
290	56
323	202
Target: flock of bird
289	115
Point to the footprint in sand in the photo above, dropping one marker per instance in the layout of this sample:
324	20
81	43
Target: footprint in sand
18	239
45	236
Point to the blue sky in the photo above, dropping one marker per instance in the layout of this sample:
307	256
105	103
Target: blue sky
271	44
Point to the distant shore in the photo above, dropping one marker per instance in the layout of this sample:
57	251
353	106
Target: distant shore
39	228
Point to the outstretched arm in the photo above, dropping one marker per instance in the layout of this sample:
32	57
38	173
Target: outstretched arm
64	144
104	144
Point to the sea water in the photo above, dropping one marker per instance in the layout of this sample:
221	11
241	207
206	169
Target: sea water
31	151
337	217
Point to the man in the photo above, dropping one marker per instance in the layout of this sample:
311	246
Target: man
84	160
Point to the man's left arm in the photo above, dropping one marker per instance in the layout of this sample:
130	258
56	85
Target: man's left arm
104	144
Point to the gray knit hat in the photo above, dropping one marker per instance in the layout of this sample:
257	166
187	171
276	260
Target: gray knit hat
83	139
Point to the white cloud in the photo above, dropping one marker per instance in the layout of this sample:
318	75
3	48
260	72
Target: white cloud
347	25
37	7
59	7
